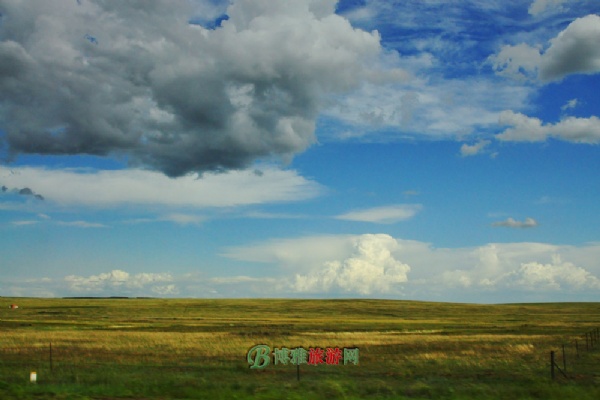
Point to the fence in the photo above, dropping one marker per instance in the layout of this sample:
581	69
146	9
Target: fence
592	339
423	357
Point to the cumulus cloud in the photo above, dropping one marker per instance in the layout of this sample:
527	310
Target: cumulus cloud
110	188
118	282
326	265
511	266
371	268
375	265
122	78
531	129
512	223
574	51
383	215
473	149
556	275
519	62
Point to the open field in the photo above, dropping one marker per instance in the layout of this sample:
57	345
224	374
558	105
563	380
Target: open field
187	349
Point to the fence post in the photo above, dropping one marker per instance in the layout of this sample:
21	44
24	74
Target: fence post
564	358
298	372
576	350
50	356
552	364
587	346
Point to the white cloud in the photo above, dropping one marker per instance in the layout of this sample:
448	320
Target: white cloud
267	215
82	224
474	149
25	222
570	105
295	254
510	267
165	290
555	276
234	279
375	265
118	282
441	97
541	6
530	129
551	200
383	215
370	269
431	107
574	51
361	264
42	287
512	223
519	62
113	188
183	219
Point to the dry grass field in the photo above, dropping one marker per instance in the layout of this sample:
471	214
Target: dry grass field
196	349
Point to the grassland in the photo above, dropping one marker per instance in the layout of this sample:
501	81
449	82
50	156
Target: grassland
196	349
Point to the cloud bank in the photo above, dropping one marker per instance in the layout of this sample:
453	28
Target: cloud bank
368	265
112	188
122	78
378	265
121	283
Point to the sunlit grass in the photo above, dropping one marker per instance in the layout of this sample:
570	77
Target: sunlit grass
156	348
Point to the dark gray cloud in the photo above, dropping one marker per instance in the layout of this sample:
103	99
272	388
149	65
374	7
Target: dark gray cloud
574	50
512	223
135	78
23	192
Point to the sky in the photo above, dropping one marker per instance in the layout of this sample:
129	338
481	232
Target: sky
420	150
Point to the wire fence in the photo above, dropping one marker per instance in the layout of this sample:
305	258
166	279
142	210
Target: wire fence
571	353
73	360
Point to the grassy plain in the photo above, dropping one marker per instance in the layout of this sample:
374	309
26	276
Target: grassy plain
196	349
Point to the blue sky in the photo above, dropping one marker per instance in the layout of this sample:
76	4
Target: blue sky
428	150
